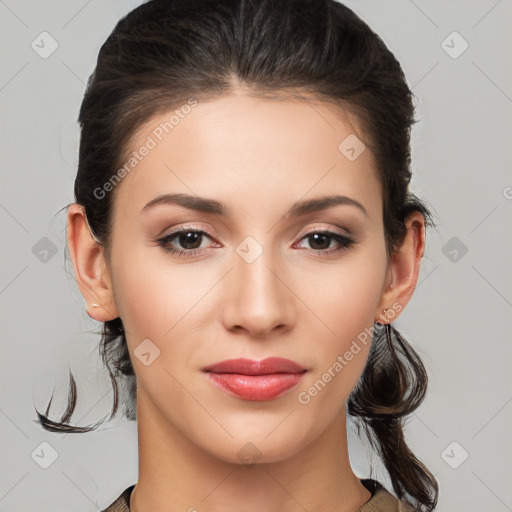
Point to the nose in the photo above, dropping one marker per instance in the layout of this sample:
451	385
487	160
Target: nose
257	298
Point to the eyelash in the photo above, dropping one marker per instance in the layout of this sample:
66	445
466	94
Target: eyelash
346	242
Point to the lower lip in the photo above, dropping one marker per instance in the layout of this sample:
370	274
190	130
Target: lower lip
256	387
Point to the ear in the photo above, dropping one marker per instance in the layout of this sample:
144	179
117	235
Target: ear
90	268
403	271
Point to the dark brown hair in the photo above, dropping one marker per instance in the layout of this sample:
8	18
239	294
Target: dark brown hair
165	52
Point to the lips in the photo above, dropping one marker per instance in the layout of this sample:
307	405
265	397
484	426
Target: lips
255	380
266	366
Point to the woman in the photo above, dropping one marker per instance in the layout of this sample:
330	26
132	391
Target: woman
244	229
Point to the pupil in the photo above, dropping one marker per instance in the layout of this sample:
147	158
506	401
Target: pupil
189	238
318	236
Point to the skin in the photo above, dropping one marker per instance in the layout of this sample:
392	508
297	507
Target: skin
257	157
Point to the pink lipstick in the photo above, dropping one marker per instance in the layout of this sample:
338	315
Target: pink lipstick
255	380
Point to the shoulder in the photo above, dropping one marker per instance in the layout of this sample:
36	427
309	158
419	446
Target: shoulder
122	503
382	500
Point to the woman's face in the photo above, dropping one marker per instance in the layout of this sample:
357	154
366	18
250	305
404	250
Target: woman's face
255	283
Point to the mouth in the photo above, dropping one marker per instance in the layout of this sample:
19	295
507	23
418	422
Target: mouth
255	380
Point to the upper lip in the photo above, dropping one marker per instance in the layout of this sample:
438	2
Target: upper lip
251	367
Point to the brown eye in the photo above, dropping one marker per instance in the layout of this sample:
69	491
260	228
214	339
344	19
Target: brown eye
189	240
320	241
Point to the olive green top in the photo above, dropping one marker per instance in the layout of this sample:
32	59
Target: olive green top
381	501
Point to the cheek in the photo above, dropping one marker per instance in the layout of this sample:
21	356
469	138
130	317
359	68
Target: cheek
344	296
344	302
142	279
147	297
164	302
339	358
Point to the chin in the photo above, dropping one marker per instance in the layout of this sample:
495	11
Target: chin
258	449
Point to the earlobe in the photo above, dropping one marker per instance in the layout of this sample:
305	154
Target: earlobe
404	270
89	265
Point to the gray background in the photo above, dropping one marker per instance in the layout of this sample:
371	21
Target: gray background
458	319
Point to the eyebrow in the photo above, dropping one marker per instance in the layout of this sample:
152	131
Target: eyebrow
206	205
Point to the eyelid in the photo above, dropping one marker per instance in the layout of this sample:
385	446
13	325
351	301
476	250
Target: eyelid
185	227
317	227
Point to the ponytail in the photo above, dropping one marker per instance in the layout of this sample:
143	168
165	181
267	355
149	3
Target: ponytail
392	386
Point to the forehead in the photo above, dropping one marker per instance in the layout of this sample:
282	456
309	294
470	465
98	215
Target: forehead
253	151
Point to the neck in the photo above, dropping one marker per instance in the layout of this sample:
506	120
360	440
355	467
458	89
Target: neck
177	475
